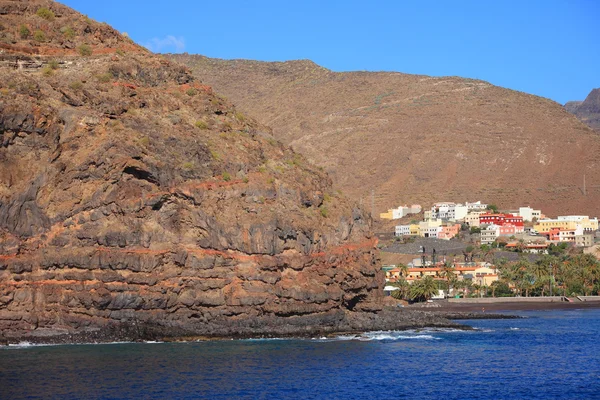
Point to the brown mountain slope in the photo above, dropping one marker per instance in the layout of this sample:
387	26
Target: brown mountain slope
420	139
135	203
588	111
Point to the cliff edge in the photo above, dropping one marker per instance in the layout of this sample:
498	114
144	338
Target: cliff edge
135	203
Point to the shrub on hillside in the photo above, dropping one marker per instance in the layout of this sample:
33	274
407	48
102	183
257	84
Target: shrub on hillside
39	36
24	32
85	50
45	13
68	32
201	124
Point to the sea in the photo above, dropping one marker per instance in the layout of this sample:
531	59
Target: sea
545	355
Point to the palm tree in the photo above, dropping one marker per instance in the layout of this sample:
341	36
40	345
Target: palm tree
403	270
448	272
403	289
541	273
487	252
424	289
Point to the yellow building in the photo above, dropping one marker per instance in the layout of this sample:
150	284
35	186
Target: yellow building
569	222
414	229
387	215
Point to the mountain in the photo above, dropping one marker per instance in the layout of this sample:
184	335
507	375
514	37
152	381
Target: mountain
588	111
418	139
135	203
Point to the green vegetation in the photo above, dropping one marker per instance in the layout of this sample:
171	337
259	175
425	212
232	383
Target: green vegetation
566	275
403	289
324	211
120	52
201	124
423	290
76	85
145	141
53	64
85	50
45	13
240	117
262	169
475	229
188	165
493	208
105	77
47	71
191	92
39	36
215	155
68	32
226	176
24	32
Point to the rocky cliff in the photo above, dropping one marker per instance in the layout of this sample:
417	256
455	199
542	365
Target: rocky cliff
137	203
588	111
419	139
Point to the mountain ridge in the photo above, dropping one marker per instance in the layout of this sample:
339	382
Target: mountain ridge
588	110
414	138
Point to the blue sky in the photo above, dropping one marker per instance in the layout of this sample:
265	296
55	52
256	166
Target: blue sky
549	48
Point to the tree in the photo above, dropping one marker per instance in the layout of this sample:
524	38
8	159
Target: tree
423	290
403	289
541	273
449	274
403	269
501	289
493	208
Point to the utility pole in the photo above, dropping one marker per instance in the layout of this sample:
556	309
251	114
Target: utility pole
584	190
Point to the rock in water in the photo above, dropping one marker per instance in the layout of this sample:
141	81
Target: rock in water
136	203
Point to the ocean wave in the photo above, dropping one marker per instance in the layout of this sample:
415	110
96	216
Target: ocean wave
29	345
384	335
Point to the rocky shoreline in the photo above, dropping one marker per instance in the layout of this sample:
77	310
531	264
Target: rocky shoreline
332	324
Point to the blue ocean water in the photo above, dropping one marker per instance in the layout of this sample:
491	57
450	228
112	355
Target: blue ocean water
548	355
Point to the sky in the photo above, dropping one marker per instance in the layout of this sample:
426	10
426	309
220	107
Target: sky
549	48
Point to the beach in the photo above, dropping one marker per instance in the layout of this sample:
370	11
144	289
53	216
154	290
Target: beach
503	307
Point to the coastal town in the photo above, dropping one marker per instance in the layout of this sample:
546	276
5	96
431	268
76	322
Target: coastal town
495	252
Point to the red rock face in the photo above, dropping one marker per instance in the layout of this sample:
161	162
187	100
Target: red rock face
133	199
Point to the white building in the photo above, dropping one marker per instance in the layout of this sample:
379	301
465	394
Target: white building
402	230
529	213
489	234
477	206
448	211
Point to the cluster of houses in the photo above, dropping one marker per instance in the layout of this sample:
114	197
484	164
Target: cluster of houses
444	221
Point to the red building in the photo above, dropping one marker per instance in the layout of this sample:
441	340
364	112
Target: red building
501	220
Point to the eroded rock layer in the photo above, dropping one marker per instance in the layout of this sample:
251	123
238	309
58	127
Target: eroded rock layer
134	199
